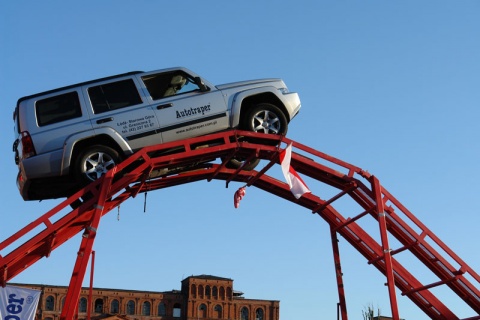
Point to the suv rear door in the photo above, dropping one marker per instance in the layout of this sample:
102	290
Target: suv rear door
48	119
119	106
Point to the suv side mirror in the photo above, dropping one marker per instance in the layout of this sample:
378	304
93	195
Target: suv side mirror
200	84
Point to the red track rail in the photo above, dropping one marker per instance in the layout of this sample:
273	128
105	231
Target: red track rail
158	167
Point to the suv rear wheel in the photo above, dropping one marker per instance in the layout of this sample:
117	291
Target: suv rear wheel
95	161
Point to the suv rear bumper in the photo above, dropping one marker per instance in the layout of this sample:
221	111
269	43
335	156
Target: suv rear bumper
46	188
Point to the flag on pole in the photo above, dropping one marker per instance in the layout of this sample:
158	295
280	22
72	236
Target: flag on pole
297	186
18	303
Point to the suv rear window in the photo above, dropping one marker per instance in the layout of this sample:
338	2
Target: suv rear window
59	108
115	95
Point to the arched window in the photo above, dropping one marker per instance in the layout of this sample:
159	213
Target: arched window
200	291
114	306
217	311
193	290
50	303
82	305
259	314
202	311
207	291
177	310
215	292
130	307
162	311
222	293
99	306
229	293
146	308
244	313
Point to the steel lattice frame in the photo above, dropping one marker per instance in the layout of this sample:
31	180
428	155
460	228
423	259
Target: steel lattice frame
158	167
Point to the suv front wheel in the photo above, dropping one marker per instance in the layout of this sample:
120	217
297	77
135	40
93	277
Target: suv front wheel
262	118
95	161
266	118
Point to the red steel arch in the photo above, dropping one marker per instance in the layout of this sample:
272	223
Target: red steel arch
192	160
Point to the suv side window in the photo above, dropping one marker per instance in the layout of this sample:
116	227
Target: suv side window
58	108
168	84
114	95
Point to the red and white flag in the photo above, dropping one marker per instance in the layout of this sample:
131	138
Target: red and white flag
239	194
297	186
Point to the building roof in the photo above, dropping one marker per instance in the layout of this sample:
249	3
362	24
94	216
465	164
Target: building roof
208	277
173	291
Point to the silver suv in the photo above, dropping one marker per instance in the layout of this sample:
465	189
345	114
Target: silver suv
71	135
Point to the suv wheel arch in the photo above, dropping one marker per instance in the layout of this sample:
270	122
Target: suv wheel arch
82	145
254	100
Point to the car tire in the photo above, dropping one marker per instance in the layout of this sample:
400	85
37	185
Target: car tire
263	118
94	162
266	118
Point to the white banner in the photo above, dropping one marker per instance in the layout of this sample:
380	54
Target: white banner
18	303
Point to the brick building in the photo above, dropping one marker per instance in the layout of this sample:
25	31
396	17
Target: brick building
200	297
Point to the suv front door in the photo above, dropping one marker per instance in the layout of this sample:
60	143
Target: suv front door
182	108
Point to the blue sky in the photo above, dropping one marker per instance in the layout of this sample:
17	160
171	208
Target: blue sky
391	87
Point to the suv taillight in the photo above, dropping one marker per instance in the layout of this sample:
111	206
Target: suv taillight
28	150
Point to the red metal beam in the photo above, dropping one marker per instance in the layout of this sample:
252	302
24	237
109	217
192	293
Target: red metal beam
387	257
70	308
338	275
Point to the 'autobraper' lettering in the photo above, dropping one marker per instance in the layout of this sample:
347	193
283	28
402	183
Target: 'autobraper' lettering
14	307
193	111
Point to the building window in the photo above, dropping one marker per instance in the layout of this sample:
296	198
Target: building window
200	291
50	303
82	305
244	313
215	292
146	308
259	314
207	291
202	311
177	310
115	306
222	293
130	307
193	290
162	311
99	306
218	311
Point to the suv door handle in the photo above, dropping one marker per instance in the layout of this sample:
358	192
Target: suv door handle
164	106
104	120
